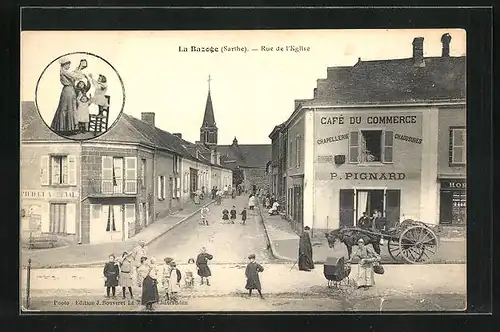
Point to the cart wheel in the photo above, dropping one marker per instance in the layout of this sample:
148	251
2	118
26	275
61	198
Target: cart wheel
394	249
418	244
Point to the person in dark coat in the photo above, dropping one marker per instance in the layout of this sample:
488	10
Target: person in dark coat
225	214
233	214
252	274
111	275
244	216
150	293
364	222
202	265
305	251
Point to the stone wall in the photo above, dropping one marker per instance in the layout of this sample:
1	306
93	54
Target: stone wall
257	177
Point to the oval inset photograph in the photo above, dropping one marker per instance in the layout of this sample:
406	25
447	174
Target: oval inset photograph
80	96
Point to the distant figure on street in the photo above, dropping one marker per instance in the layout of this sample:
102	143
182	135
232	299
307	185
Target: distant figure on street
368	257
197	195
252	274
150	293
306	262
214	193
142	271
202	265
225	215
364	221
111	275
138	252
267	202
204	215
226	189
233	193
126	274
233	214
274	209
251	202
189	273
219	197
244	216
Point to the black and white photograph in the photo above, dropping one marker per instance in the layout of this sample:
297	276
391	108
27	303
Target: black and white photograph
256	171
79	95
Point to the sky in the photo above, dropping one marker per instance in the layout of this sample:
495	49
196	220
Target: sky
251	91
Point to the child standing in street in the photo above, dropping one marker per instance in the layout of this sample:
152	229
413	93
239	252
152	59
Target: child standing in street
252	273
204	214
244	216
225	214
233	214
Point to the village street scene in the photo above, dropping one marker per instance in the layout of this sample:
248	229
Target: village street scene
339	187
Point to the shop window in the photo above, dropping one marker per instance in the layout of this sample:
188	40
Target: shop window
457	155
58	218
371	146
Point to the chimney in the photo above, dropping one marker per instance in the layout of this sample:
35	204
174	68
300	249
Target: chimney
235	141
418	52
315	92
148	117
445	40
178	135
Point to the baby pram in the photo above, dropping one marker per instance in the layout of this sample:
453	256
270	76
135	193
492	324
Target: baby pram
336	272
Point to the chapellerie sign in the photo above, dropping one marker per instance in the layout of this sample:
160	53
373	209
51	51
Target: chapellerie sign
48	194
367	176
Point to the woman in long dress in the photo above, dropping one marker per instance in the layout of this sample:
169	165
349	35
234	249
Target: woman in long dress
150	286
368	257
126	271
64	120
251	202
142	271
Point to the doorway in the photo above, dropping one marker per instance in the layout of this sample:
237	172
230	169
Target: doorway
369	201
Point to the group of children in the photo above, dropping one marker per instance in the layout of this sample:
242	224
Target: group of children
226	215
83	101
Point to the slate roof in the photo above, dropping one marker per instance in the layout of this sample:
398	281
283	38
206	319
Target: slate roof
127	129
246	155
33	127
208	117
394	81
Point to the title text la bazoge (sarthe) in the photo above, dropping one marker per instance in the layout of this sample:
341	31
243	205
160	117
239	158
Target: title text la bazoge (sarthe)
244	49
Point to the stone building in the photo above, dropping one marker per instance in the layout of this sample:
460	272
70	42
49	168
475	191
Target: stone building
383	135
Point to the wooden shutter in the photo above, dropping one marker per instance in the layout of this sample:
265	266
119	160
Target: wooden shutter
72	170
353	147
172	184
45	217
44	171
392	206
130	216
158	190
71	218
388	148
163	187
346	213
107	175
130	175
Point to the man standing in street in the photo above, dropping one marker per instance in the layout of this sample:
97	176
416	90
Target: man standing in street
306	262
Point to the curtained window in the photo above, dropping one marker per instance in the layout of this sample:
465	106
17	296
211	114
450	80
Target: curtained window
111	225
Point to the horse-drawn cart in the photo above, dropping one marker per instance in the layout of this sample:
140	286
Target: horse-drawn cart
413	241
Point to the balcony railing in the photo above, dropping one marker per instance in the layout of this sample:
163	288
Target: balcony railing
114	186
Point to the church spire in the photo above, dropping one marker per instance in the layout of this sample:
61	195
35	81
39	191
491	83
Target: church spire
208	130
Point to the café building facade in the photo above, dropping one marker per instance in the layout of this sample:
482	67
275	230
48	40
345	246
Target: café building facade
370	140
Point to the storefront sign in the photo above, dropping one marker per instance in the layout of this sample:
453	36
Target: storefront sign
375	120
367	176
453	184
48	194
406	138
333	139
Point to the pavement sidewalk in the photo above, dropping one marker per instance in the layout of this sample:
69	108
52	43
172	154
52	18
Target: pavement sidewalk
284	243
229	279
81	255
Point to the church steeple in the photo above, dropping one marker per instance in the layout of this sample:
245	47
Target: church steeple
208	130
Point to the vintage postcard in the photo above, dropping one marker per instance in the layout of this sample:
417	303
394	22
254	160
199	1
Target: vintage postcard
220	171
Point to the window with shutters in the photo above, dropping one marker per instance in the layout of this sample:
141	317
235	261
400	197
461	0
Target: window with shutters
371	146
58	170
175	164
297	151
143	173
457	155
119	175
